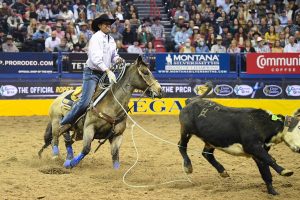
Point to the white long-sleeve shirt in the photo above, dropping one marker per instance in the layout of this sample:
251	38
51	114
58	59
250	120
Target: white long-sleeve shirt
102	52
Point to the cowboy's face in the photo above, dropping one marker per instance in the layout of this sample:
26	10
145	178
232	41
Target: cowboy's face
105	27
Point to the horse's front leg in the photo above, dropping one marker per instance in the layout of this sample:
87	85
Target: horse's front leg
88	136
68	143
116	141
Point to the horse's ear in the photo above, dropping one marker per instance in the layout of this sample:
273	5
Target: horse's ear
140	59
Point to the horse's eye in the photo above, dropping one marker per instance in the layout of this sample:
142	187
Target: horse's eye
145	71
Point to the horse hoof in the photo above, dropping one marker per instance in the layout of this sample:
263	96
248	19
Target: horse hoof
67	164
224	174
286	172
116	165
55	157
188	169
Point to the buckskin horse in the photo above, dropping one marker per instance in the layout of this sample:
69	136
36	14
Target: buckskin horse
105	120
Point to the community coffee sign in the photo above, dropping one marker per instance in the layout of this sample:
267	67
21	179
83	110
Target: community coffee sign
273	63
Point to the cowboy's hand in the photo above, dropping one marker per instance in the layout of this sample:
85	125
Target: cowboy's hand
111	76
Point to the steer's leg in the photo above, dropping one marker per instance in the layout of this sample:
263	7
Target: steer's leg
88	137
209	156
185	137
257	151
266	176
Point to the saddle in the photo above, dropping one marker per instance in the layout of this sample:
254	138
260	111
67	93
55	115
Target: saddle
72	98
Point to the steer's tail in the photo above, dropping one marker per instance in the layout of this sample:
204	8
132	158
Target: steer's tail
47	138
209	87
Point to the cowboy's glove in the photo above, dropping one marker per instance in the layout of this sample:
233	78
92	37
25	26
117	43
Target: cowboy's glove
111	76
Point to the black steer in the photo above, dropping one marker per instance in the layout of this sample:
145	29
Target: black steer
237	131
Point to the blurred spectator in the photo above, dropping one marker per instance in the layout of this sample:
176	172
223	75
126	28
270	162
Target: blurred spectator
4	14
293	27
42	12
58	29
201	47
261	10
190	27
62	47
145	36
19	6
263	28
253	17
277	48
291	47
77	49
84	30
278	27
135	48
92	12
283	18
234	26
271	35
233	13
79	9
177	26
32	28
283	41
54	12
211	40
120	26
119	13
39	38
82	41
181	12
93	3
270	17
134	21
247	47
181	36
132	9
158	29
149	48
187	47
128	36
16	26
31	12
66	14
115	34
195	32
218	48
51	42
261	47
8	45
233	48
43	22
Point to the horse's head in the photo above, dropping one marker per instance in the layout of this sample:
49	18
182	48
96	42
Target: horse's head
143	79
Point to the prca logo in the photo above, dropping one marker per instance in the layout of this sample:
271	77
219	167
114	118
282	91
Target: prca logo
272	90
223	90
293	90
243	90
8	90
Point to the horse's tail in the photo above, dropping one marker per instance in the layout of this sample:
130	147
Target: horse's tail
47	138
209	86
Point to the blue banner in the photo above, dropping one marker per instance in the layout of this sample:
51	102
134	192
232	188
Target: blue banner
193	63
26	63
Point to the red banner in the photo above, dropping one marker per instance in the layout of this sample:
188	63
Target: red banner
273	63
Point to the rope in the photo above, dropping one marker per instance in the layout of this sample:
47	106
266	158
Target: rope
137	154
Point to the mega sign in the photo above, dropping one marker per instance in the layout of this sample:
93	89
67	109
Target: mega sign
192	63
273	63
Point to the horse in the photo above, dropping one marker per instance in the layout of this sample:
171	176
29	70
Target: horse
106	119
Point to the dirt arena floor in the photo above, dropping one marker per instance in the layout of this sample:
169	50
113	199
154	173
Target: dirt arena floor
24	176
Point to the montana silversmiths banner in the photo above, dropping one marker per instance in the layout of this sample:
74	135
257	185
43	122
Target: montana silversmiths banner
193	63
25	62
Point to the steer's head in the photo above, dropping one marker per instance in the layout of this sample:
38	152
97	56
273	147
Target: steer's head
291	133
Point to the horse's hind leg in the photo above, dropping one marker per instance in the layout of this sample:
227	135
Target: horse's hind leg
68	143
88	137
47	139
185	137
116	142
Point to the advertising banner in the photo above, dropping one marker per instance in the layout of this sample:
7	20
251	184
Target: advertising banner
273	63
193	63
75	62
19	63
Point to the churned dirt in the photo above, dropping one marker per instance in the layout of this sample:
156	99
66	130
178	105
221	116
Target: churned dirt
24	176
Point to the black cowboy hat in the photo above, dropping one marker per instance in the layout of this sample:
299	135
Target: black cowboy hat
103	18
